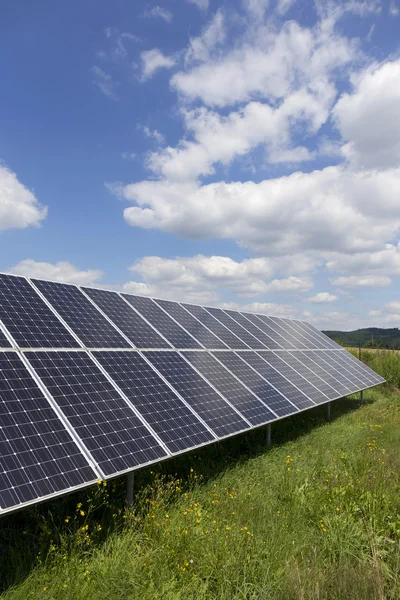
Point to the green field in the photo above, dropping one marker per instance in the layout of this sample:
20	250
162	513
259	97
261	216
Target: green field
315	517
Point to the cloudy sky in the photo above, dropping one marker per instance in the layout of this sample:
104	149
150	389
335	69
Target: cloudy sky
229	153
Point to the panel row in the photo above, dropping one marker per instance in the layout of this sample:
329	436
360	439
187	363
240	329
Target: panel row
68	417
43	314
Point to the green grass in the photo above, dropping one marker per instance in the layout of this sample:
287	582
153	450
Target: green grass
315	517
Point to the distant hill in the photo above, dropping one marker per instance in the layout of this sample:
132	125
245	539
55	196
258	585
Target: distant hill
373	337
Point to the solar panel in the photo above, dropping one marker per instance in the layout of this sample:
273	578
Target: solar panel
274	324
224	334
162	322
360	366
79	313
207	403
169	417
293	376
255	331
356	378
4	343
28	318
301	368
192	325
280	340
114	435
310	339
319	368
339	374
236	328
141	334
325	340
301	339
290	391
38	456
257	384
253	409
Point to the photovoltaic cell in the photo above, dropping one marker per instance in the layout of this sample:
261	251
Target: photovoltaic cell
360	367
192	325
279	339
109	428
300	400
38	456
215	326
311	340
346	369
293	376
255	331
209	405
29	320
328	343
243	399
126	319
319	367
162	322
272	398
274	324
301	368
4	343
337	372
237	329
302	341
168	416
79	313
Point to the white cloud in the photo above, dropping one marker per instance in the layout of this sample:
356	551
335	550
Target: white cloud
213	35
369	118
322	298
153	60
105	82
208	276
383	262
268	64
333	210
128	155
62	271
256	8
354	281
284	5
19	208
394	9
393	307
291	155
201	4
153	133
158	12
266	308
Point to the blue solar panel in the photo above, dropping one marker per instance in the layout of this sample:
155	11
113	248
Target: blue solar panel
114	435
274	324
253	409
38	456
79	313
321	372
162	322
296	397
169	417
294	335
192	325
279	339
343	384
306	372
27	317
236	328
224	334
141	334
253	329
4	343
257	384
207	403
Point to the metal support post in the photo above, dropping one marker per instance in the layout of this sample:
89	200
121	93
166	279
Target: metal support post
130	482
268	436
328	411
362	397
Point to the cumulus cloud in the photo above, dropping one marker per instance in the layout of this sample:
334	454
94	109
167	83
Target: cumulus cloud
153	60
212	36
382	262
153	133
201	4
369	117
266	308
331	210
62	271
322	298
19	207
357	281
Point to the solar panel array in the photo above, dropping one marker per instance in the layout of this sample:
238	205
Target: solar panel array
96	383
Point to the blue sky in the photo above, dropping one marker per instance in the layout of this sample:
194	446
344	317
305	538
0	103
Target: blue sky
236	154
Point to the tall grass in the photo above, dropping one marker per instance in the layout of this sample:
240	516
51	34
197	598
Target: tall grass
317	517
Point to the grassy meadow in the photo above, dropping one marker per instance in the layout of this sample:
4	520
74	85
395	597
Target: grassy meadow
315	517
